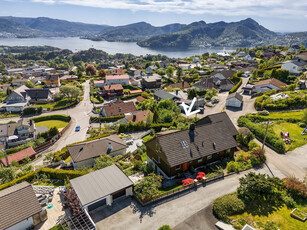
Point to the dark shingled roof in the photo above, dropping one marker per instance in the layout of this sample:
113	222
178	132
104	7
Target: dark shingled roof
119	107
207	139
38	93
226	73
209	83
95	148
16	204
236	95
164	95
217	117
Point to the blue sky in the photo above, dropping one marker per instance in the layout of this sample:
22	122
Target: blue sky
276	15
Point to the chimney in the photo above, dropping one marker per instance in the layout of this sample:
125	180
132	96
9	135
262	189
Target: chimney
192	132
177	92
134	118
214	145
109	147
183	84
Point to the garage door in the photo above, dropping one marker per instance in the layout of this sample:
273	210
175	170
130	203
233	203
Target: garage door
96	205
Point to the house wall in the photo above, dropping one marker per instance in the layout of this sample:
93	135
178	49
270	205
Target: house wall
14	108
27	223
233	102
294	69
15	98
226	87
260	88
117	81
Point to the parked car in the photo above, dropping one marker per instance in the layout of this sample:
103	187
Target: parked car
77	128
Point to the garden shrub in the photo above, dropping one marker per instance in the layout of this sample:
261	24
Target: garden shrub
165	227
107	119
200	175
288	200
227	205
253	145
296	188
128	97
59	117
32	110
187	181
148	188
236	87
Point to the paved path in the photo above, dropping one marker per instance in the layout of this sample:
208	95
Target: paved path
128	214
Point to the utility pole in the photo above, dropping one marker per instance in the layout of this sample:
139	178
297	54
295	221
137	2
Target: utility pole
266	131
99	122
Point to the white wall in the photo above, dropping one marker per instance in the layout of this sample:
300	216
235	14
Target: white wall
233	102
117	81
22	225
129	191
294	69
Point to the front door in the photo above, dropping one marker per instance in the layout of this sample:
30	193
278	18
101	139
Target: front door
185	166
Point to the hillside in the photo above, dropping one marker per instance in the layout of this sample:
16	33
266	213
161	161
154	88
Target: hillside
134	32
243	33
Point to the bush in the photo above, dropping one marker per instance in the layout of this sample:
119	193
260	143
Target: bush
227	205
302	125
148	188
48	134
264	113
289	201
253	145
107	119
165	227
236	87
128	97
59	117
32	110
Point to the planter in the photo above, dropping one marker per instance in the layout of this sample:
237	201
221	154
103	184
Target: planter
298	214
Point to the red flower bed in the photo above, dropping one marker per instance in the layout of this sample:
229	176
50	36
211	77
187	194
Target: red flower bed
200	175
187	181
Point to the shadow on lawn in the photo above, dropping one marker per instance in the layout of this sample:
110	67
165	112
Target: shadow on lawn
263	208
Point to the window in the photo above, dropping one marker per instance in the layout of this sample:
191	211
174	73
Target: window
209	157
200	160
184	144
178	167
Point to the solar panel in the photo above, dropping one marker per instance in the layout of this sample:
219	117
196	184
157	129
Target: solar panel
184	144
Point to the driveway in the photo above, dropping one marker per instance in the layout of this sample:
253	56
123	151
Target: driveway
298	157
128	214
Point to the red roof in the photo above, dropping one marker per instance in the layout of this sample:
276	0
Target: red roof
19	156
136	91
140	98
117	77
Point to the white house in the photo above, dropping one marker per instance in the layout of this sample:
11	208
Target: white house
264	86
99	83
293	66
117	79
234	100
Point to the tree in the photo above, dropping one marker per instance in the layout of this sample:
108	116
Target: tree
90	70
102	73
192	93
103	161
2	67
155	118
165	227
179	74
7	174
70	91
30	84
149	118
169	72
80	65
260	188
148	188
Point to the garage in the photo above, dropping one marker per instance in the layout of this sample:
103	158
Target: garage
234	100
101	187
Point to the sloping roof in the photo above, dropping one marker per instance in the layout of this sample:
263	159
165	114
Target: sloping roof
98	184
52	77
208	139
181	85
236	95
140	99
117	77
164	95
69	77
19	156
138	116
226	73
113	87
95	148
209	83
217	117
119	107
21	90
99	82
17	203
272	81
298	63
38	93
135	91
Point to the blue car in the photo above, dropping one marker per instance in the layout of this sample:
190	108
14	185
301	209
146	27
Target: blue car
77	128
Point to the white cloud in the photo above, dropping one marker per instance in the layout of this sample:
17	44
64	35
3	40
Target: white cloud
264	8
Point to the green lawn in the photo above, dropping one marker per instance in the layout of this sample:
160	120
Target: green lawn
281	217
52	123
287	115
170	188
295	134
61	104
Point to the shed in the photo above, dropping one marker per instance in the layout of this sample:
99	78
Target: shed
101	187
234	100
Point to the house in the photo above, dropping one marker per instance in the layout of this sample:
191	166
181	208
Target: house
180	85
13	134
151	68
225	74
18	82
198	105
19	207
111	91
302	84
293	66
16	71
234	100
101	187
294	49
152	82
196	59
117	79
174	151
140	99
53	81
39	95
117	108
269	55
180	94
17	100
302	57
136	117
264	86
134	82
137	91
210	83
163	95
85	154
99	83
69	78
18	157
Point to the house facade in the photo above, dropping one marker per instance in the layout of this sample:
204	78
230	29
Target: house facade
234	100
293	66
117	79
53	81
111	91
264	86
174	152
17	100
39	95
152	82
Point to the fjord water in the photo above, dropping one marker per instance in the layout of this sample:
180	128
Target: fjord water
76	44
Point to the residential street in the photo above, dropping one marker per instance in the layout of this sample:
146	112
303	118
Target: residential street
127	214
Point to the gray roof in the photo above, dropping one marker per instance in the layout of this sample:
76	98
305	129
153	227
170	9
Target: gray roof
98	184
298	63
17	203
39	93
95	148
208	139
164	95
236	95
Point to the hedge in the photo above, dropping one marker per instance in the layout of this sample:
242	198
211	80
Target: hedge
236	87
32	110
106	119
128	97
265	102
140	126
257	119
51	173
272	139
59	117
